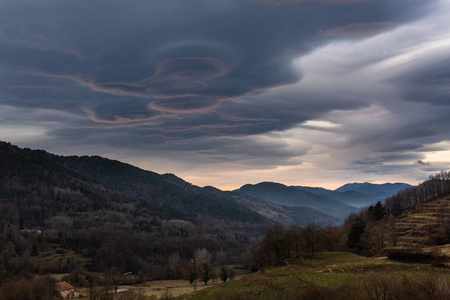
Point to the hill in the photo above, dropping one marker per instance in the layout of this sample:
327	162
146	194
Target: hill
33	190
291	197
56	219
162	190
425	224
358	194
422	213
378	191
413	218
350	197
336	275
280	214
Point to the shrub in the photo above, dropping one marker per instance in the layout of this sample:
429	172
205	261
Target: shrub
391	285
416	255
38	288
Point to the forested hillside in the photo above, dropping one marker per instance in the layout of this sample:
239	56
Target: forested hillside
33	190
171	191
56	220
280	214
415	217
297	199
163	190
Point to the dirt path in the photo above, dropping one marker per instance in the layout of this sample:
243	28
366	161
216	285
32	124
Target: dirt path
159	287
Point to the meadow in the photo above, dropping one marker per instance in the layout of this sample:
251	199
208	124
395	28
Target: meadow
337	275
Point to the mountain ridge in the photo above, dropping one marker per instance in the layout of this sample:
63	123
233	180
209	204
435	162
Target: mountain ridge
281	194
350	197
151	187
377	191
274	202
283	215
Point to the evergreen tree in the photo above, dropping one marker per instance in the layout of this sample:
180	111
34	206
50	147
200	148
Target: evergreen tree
354	236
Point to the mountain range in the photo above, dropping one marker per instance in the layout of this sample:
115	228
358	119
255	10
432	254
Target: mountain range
378	191
94	181
358	194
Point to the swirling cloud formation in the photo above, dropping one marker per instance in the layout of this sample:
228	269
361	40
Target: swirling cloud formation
217	81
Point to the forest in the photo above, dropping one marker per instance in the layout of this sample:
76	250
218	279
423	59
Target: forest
56	221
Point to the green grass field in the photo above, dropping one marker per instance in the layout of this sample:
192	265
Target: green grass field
331	275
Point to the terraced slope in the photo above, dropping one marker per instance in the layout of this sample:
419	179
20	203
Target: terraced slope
426	224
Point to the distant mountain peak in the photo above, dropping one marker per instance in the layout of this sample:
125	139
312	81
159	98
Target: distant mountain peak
379	191
293	197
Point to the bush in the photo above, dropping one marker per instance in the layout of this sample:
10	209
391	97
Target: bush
391	285
39	288
416	255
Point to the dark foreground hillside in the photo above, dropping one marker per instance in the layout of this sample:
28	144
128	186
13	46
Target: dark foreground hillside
54	219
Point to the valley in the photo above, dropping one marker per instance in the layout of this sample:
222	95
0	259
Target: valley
92	219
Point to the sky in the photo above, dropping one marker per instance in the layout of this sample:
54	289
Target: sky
224	93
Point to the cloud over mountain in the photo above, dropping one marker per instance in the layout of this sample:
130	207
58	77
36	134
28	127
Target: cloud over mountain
234	82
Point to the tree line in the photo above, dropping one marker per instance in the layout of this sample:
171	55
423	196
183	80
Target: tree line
280	243
367	232
371	230
435	186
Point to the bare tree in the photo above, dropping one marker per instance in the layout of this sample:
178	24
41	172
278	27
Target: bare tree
275	242
295	232
204	260
310	238
329	237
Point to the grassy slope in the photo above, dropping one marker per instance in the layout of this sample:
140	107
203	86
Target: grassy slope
63	260
420	225
330	270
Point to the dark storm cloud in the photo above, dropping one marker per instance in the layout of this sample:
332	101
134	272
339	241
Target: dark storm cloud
242	150
426	80
181	57
399	143
212	77
185	104
406	132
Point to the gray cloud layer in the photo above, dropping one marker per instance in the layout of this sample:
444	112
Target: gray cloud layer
212	77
